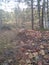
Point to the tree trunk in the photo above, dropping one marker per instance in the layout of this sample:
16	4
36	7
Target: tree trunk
38	3
43	14
32	13
42	19
47	11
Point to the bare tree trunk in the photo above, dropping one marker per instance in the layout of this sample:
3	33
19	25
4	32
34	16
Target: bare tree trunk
38	3
32	13
43	12
47	10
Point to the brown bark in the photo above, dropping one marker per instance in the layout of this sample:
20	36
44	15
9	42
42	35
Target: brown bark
32	13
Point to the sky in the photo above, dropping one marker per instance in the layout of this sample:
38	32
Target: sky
10	5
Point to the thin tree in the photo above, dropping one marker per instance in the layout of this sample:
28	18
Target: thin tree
38	4
32	13
43	12
47	11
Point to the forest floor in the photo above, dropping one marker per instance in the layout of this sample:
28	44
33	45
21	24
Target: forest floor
28	47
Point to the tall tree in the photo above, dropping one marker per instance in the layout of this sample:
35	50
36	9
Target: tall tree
29	3
32	13
43	14
48	13
38	4
41	20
